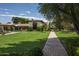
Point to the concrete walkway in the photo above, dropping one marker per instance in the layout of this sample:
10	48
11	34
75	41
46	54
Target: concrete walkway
11	33
53	46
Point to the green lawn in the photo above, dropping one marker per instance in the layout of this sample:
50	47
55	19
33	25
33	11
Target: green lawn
23	43
70	41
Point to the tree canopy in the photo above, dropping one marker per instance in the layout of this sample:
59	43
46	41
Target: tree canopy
61	12
16	20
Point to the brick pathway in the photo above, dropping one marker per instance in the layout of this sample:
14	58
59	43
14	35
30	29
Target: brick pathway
53	46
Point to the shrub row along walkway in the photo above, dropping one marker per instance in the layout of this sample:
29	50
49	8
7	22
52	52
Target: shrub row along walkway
53	46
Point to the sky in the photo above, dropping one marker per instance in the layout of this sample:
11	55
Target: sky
25	10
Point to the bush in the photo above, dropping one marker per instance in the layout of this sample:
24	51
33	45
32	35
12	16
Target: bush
29	29
42	28
39	28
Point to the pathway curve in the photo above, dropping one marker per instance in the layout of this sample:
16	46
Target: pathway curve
11	33
53	46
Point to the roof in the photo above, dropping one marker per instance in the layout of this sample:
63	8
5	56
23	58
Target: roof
38	21
6	25
21	25
14	24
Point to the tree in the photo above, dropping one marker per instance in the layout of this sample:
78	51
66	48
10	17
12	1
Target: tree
17	20
55	11
8	22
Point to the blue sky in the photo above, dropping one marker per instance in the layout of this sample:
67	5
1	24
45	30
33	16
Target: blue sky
26	10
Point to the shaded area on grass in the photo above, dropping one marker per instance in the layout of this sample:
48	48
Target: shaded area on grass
70	41
24	48
71	45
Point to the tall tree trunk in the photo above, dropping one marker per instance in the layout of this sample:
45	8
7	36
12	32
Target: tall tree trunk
58	21
75	20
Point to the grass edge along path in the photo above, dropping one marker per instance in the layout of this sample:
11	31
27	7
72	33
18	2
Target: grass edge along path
70	41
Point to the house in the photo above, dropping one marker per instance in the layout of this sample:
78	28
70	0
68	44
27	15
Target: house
19	26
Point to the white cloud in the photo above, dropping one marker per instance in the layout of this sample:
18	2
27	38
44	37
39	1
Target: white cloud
0	8
7	12
22	14
24	17
7	15
28	12
6	9
11	15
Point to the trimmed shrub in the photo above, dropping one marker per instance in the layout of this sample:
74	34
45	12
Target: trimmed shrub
29	29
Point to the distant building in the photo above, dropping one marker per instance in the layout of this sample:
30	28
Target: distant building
19	26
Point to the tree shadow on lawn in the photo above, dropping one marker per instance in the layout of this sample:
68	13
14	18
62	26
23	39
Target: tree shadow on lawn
71	44
25	48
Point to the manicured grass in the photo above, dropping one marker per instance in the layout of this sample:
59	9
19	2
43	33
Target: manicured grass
70	41
23	43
